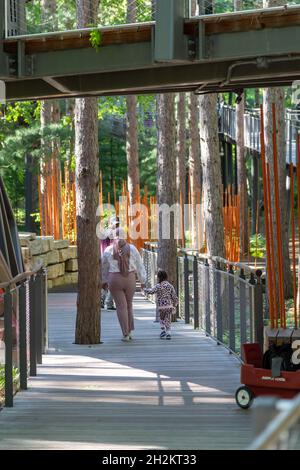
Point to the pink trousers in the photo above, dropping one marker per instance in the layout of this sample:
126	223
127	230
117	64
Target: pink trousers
122	289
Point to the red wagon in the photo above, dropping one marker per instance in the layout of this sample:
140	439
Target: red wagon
258	381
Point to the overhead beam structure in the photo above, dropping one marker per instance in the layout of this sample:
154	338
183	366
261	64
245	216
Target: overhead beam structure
204	54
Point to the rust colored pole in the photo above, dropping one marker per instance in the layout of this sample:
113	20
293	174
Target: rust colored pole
278	222
293	242
266	211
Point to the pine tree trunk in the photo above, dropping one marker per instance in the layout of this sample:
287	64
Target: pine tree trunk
87	197
270	96
242	179
166	180
211	174
181	146
132	150
195	171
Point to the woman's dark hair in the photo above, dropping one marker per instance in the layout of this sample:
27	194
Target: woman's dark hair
162	275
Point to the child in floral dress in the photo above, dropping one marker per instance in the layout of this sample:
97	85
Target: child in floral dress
166	300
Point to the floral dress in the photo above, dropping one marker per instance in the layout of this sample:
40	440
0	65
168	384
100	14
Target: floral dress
166	300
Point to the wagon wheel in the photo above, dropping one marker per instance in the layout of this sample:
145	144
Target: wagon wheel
244	397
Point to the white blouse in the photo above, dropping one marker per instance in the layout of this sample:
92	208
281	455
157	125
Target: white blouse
110	265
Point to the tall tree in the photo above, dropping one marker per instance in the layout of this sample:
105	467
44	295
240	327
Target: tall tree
195	172
87	197
241	164
276	96
166	181
132	150
211	174
181	160
181	145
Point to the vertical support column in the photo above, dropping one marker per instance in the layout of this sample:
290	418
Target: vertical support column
23	337
39	317
231	309
32	327
186	290
243	322
258	316
45	319
219	303
254	177
3	19
170	42
207	300
8	340
196	292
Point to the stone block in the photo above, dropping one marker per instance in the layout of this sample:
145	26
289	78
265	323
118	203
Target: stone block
53	257
72	265
73	251
39	259
26	237
60	244
35	247
25	253
64	255
56	270
50	284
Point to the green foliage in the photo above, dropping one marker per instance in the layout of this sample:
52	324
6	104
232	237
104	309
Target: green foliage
96	39
257	246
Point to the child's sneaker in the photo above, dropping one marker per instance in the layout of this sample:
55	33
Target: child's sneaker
168	336
162	335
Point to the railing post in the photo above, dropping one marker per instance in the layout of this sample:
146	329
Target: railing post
33	327
186	290
207	299
45	311
258	317
8	340
39	317
196	292
243	323
231	309
23	337
219	303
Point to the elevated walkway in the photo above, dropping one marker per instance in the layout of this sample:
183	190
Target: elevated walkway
146	394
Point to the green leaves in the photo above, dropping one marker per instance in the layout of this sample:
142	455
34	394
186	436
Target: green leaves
96	39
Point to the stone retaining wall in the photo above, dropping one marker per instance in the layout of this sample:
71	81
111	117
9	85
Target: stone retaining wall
57	256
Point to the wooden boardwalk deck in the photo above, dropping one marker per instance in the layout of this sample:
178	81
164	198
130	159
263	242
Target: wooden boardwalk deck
147	394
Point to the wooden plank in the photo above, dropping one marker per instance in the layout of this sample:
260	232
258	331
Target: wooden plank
146	394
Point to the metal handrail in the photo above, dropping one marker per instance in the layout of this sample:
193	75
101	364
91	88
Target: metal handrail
21	277
283	422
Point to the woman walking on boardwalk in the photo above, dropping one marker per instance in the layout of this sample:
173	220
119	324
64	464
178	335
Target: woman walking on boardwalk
121	263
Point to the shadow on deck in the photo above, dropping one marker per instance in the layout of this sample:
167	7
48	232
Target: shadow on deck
147	394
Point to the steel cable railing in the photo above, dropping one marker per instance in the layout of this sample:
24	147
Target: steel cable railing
278	424
223	299
23	330
30	18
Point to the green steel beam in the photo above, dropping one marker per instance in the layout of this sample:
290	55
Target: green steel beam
137	56
87	61
255	43
218	76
